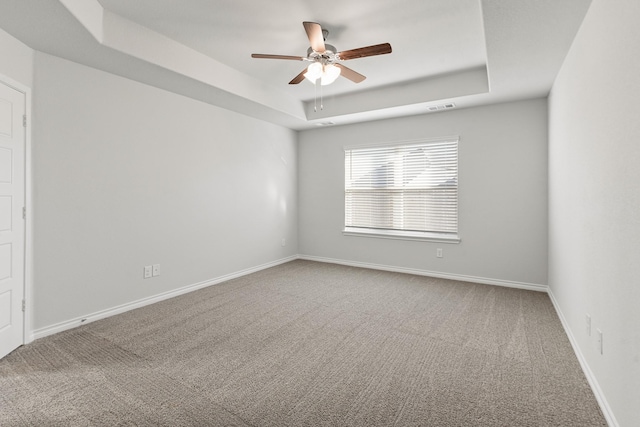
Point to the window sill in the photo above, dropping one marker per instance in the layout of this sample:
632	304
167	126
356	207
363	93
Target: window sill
402	235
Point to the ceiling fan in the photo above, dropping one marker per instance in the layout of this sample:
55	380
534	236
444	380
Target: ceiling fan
326	61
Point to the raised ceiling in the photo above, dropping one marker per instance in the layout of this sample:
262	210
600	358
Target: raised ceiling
470	52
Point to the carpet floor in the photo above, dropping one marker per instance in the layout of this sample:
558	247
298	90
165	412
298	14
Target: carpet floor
309	344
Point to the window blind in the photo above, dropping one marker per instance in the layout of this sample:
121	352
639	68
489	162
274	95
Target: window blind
411	187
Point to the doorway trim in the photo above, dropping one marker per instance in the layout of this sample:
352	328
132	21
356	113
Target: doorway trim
27	332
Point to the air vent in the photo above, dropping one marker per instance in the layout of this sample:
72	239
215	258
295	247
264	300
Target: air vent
325	124
440	107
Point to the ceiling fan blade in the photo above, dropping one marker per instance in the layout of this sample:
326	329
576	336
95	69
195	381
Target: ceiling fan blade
266	56
316	39
297	79
350	74
378	49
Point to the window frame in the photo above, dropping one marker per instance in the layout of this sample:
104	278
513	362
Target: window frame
430	236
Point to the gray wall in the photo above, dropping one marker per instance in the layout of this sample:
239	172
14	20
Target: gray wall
17	59
594	186
502	193
127	175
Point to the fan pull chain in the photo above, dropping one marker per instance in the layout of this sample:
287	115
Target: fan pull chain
315	97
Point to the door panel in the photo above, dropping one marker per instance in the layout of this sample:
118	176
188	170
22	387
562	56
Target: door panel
12	237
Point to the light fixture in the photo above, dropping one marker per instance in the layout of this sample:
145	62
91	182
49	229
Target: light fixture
331	73
327	73
314	72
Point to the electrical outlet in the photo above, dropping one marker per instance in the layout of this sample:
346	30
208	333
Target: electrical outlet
147	271
284	242
600	341
156	270
439	252
588	320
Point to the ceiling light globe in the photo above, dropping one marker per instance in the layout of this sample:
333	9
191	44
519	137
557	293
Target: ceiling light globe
314	72
330	74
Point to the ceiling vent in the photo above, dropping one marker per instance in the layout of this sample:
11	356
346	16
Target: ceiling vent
325	124
447	106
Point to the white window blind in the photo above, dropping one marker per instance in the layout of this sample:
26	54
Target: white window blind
403	188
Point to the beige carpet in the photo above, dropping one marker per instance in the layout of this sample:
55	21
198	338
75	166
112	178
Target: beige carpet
309	344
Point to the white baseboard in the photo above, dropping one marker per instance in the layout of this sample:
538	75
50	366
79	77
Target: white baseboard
92	317
441	275
593	382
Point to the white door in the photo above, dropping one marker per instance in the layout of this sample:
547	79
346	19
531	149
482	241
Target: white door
12	224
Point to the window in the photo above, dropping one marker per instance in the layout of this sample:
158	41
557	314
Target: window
407	190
